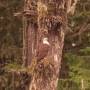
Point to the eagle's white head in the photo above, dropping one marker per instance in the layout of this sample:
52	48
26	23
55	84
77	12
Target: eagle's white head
45	41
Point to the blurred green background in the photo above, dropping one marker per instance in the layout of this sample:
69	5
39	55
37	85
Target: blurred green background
75	71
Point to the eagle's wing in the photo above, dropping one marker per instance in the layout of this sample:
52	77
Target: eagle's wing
42	51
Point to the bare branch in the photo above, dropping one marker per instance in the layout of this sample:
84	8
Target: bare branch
71	5
83	28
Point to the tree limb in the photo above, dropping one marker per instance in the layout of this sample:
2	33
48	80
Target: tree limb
71	5
83	28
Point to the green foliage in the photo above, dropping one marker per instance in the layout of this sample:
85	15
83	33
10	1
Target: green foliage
78	57
14	66
79	69
85	51
67	84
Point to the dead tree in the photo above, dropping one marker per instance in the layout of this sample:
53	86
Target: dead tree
45	18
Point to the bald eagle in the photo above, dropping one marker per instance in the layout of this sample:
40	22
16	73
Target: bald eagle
43	49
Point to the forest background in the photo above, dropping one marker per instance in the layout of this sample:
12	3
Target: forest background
75	70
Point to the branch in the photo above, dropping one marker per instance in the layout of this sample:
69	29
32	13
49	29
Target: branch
83	28
71	5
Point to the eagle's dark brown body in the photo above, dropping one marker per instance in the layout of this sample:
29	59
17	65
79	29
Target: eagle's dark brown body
42	51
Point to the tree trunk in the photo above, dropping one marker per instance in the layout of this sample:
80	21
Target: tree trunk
45	18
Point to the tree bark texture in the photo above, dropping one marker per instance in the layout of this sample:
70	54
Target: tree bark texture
45	18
